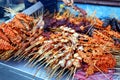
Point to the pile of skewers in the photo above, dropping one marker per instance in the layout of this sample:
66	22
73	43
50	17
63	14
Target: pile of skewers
15	34
64	43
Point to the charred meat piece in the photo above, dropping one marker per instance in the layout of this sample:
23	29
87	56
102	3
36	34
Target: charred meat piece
106	23
53	21
90	33
88	30
61	22
117	26
113	24
116	40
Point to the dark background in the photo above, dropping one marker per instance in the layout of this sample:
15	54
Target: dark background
99	2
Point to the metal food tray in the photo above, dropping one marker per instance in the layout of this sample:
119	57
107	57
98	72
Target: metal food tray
18	71
14	73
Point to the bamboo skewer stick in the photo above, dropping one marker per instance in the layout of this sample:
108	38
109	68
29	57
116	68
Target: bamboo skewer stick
39	56
60	73
65	73
32	60
33	63
71	72
41	65
53	71
101	72
74	73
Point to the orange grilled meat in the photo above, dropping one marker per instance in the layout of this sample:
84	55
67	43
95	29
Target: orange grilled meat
4	45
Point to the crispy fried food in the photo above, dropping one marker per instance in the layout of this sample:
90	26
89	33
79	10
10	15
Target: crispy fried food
3	36
4	45
14	34
9	32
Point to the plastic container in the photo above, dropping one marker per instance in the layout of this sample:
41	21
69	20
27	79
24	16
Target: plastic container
35	10
50	5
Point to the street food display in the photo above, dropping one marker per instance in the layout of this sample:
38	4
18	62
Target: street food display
65	44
